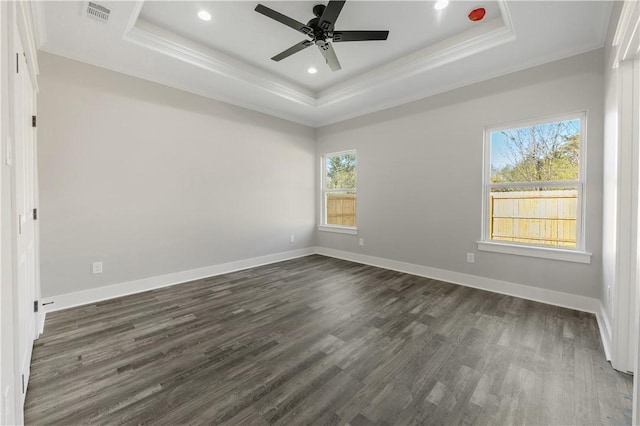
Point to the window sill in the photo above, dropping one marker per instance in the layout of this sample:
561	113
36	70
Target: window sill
533	251
352	230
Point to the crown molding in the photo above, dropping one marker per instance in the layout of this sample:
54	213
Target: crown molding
40	26
489	35
160	40
605	18
173	84
626	40
421	94
135	15
506	15
27	30
202	70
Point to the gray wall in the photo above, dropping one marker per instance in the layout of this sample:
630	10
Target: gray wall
420	173
151	180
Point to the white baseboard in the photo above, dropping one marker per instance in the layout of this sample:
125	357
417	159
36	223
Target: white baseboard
84	297
550	297
40	318
605	330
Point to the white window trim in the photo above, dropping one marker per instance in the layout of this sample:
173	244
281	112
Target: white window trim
338	229
568	255
577	254
323	226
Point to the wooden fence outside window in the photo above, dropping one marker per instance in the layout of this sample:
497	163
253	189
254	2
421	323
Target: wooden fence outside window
534	217
341	209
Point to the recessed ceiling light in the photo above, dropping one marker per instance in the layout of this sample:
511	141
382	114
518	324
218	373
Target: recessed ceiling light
441	4
206	16
312	70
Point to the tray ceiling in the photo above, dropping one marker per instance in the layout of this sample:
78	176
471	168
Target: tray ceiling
240	32
228	58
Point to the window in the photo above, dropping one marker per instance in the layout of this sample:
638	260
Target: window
533	189
339	192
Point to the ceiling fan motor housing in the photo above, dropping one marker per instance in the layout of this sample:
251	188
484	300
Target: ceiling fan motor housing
318	33
319	29
318	9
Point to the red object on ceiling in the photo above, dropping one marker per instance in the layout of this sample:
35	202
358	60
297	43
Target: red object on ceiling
477	14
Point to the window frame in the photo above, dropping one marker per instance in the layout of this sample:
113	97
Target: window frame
324	226
571	254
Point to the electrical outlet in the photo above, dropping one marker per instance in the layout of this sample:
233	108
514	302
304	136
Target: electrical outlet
361	241
471	258
292	238
97	267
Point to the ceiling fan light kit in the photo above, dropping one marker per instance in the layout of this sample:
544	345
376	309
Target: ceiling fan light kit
319	30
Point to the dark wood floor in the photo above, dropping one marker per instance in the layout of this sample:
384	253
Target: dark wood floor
323	341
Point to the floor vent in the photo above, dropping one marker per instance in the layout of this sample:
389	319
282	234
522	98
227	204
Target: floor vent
98	12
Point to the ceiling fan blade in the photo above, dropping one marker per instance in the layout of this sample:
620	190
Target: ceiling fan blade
330	14
329	54
283	19
293	49
339	36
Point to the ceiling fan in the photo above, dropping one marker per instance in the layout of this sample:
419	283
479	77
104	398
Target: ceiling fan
319	29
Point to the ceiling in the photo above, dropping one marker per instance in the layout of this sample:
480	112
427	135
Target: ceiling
228	58
412	25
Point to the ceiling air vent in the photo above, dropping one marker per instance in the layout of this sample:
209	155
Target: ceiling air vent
98	12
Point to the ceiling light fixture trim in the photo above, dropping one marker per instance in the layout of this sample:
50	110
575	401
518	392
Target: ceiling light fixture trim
441	4
204	15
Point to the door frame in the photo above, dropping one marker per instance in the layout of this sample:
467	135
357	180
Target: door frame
625	351
624	333
16	20
635	124
23	201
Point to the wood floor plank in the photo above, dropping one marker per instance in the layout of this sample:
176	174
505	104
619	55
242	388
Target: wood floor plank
318	340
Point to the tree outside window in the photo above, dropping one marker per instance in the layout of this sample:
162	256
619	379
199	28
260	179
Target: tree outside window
534	187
